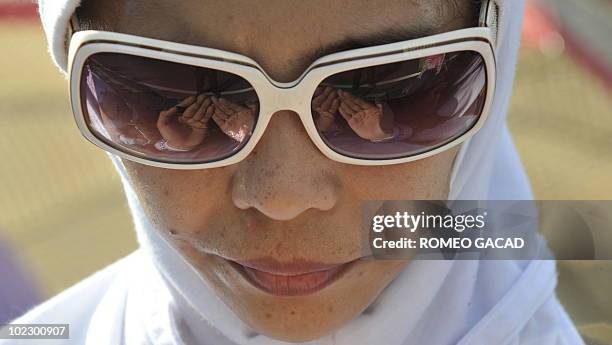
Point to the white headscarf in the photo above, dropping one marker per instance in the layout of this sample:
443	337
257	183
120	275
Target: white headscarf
430	302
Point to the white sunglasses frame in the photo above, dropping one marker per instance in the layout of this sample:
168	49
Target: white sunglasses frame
275	96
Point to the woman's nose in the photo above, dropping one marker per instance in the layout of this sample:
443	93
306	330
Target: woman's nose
286	174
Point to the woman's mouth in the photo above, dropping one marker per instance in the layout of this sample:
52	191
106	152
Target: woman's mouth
293	278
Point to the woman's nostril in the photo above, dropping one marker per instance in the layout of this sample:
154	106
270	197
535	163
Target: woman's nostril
280	214
283	199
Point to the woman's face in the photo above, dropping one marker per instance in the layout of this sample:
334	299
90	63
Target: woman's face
287	212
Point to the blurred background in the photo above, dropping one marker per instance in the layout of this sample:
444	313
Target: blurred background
62	211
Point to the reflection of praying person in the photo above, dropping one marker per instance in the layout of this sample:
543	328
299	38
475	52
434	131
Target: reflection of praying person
325	103
370	121
366	119
235	121
185	131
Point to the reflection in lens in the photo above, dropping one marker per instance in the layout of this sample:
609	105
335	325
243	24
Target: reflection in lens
166	111
401	109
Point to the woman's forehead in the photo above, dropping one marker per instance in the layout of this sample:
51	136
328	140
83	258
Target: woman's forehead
274	32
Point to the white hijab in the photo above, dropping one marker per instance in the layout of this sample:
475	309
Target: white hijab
431	302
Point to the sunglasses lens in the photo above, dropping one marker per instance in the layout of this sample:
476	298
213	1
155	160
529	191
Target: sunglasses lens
401	109
165	111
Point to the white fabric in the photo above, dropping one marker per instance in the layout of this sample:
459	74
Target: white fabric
154	295
112	307
55	16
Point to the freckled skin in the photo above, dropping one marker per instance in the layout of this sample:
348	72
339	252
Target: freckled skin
286	200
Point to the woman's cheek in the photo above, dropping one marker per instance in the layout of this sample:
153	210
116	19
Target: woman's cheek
180	198
426	178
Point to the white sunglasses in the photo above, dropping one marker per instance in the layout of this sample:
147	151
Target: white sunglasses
180	106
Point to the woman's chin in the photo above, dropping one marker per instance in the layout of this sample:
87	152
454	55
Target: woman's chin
293	336
312	325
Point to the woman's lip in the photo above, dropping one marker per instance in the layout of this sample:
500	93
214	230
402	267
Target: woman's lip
312	277
287	268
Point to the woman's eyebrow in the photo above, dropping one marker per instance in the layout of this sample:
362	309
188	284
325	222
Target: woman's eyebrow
445	13
389	35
